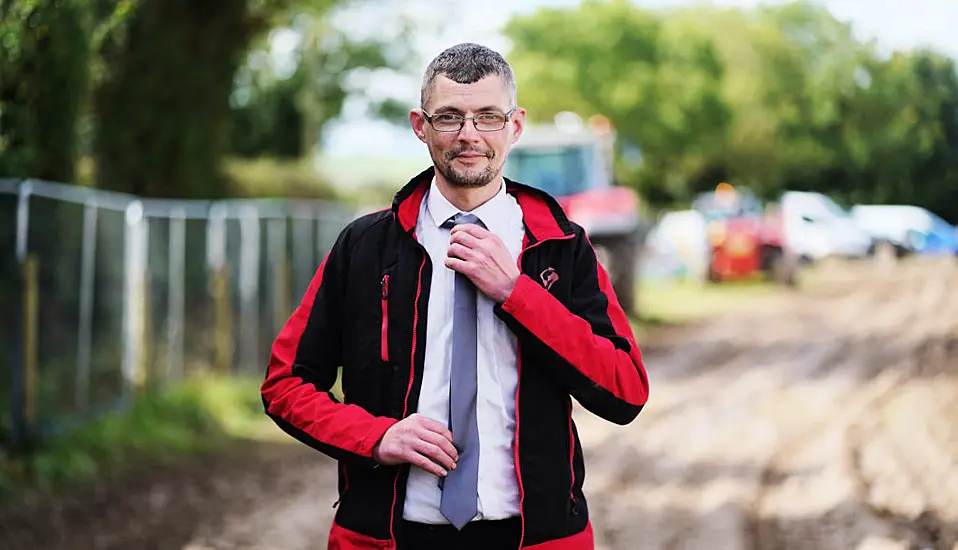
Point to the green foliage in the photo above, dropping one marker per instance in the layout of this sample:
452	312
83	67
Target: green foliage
281	106
143	90
659	86
195	417
44	50
267	177
773	98
163	112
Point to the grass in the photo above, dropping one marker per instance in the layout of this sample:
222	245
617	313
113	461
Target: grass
198	416
265	177
206	413
676	302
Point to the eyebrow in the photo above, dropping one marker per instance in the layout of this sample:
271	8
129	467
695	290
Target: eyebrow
450	109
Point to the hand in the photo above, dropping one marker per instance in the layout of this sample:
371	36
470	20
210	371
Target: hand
480	255
419	441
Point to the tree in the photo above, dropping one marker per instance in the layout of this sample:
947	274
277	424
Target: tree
166	108
658	85
44	54
281	106
773	98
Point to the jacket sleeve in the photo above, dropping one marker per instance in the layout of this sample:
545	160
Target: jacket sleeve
303	367
591	344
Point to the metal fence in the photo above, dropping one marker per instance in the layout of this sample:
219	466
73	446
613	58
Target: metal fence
103	294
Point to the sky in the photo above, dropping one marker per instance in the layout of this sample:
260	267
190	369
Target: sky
897	24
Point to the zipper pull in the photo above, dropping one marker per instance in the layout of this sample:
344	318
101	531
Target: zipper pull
385	286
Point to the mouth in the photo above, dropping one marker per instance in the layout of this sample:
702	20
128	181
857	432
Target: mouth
470	158
470	154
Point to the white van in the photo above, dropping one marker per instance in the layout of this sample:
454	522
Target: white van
816	228
910	229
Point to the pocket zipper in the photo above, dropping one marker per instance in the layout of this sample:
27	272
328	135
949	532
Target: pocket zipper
384	336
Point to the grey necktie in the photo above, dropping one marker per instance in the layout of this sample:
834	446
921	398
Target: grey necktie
460	494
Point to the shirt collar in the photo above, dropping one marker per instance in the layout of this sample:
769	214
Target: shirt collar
494	213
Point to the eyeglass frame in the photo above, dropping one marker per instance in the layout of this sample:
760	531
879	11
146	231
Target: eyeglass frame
463	118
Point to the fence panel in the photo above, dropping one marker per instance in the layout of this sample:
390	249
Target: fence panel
106	294
9	304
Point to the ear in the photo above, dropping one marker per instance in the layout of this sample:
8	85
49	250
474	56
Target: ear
418	122
518	122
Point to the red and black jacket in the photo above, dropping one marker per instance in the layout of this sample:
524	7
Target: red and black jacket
365	310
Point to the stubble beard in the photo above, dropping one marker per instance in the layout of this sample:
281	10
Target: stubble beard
467	178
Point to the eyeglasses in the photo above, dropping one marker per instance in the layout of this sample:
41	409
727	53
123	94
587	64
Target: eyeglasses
453	122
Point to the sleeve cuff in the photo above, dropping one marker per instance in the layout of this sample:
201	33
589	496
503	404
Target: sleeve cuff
379	428
519	298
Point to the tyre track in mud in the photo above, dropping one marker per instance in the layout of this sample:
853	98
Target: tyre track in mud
904	457
730	441
691	466
844	513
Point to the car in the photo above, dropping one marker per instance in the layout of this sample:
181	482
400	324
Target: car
908	229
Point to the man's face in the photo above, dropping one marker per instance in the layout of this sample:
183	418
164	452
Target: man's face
468	157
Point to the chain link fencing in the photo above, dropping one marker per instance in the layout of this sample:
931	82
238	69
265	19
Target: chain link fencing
105	294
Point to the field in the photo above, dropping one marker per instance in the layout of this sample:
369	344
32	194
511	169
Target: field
819	418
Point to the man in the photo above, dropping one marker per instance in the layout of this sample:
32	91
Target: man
465	318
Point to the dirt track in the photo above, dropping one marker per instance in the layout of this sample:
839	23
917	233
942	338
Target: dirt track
825	420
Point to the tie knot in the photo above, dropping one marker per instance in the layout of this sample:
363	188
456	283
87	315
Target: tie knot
462	218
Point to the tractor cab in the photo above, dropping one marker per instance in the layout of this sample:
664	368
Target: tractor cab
573	162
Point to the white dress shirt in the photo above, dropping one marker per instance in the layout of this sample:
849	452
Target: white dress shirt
497	376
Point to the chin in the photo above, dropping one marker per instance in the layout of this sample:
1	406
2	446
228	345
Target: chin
470	178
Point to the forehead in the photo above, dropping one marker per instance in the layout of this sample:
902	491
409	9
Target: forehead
447	94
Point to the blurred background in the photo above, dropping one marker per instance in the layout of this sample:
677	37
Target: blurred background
773	187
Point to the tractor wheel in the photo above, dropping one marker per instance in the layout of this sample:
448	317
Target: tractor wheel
779	266
619	257
712	276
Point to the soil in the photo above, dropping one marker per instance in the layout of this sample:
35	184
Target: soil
826	419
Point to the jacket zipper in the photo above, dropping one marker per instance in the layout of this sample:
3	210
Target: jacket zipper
412	377
571	461
515	457
384	337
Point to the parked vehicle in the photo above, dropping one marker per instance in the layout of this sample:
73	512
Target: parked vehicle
815	228
907	229
679	245
574	162
745	238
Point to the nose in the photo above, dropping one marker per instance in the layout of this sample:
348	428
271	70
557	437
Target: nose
468	132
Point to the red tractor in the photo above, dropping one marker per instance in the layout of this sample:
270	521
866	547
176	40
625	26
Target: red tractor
745	239
574	163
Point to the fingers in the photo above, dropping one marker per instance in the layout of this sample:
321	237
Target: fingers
474	230
466	239
435	453
462	266
444	444
457	250
423	462
437	427
431	446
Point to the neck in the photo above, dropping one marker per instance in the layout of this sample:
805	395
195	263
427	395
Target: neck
468	199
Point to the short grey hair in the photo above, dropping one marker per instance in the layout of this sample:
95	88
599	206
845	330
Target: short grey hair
467	63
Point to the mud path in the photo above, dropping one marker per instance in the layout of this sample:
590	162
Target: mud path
826	420
828	423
